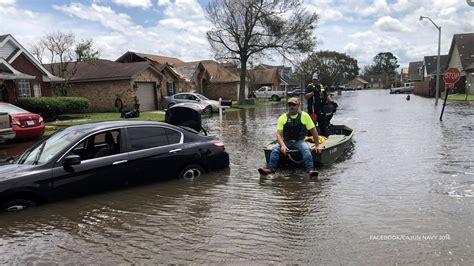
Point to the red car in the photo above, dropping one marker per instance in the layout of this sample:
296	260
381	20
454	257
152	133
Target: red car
25	124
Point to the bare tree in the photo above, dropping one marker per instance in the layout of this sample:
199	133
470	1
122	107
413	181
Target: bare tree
249	28
63	55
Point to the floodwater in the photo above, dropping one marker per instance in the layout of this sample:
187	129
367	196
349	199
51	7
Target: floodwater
402	195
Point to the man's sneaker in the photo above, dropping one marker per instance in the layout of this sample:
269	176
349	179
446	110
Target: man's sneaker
313	173
264	171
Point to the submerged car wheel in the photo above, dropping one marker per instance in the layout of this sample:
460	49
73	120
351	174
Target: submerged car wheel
191	171
275	98
17	205
207	110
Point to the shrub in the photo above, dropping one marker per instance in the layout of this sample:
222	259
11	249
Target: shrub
52	107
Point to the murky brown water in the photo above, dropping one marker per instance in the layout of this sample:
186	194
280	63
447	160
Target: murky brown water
403	194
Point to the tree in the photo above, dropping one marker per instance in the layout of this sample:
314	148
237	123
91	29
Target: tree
386	63
248	28
63	55
333	68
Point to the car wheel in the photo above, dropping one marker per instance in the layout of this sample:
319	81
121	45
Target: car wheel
275	98
17	205
191	171
207	110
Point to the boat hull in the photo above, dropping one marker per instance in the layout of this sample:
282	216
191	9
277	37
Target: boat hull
336	145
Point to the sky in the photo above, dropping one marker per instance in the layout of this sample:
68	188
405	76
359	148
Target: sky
177	28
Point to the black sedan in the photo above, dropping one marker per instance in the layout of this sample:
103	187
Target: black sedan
94	157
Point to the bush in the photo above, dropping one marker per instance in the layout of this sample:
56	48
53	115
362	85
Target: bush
52	107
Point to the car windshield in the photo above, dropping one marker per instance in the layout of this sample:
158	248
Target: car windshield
48	148
11	109
202	97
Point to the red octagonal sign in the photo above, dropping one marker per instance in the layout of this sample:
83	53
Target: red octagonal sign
451	75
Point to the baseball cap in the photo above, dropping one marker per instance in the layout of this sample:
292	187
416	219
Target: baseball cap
315	76
294	100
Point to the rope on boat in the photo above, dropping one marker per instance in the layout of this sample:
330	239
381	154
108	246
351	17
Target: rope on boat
291	158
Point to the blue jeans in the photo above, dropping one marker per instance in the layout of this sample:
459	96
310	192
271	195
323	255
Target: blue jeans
299	145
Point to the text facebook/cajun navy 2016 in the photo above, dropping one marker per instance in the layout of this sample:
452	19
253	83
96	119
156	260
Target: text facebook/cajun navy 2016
320	104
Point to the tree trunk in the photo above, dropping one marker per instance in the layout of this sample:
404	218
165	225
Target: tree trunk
243	75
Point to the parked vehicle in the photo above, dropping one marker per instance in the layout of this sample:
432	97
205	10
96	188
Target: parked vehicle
25	124
295	93
407	88
94	157
266	92
190	97
6	130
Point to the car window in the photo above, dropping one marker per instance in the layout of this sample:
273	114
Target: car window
98	145
47	149
11	109
174	137
202	97
147	137
180	96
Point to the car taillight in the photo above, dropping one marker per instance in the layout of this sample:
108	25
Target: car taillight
219	144
40	120
15	121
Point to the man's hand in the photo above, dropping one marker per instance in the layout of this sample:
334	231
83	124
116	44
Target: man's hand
284	149
317	149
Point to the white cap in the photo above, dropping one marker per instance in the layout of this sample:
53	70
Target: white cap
315	76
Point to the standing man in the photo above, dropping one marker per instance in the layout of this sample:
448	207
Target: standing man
291	130
318	100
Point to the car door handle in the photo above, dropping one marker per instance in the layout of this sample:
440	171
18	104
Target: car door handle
119	162
175	150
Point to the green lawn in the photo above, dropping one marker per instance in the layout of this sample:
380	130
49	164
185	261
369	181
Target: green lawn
459	97
77	119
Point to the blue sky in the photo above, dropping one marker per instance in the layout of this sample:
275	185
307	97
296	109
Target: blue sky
360	28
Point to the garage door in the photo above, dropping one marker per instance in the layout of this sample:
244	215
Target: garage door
146	96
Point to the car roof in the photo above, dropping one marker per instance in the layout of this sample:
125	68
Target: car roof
116	123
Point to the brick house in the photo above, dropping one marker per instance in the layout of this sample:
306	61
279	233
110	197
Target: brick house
21	74
264	77
224	82
103	81
180	76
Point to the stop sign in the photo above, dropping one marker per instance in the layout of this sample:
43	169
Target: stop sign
451	75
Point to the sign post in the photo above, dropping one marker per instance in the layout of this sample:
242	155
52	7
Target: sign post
450	77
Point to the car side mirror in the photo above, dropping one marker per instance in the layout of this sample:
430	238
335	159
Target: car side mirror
72	160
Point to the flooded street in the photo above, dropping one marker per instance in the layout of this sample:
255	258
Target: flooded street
402	194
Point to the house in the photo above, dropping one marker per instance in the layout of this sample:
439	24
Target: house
287	81
427	87
21	74
224	82
375	81
415	71
461	56
264	77
357	83
104	81
208	77
175	81
404	74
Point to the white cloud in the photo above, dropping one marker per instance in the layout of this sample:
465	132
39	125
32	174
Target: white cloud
102	14
378	7
403	5
134	3
7	2
390	24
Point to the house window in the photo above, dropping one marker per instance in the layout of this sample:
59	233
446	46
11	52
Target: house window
371	79
24	88
380	79
37	90
170	88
